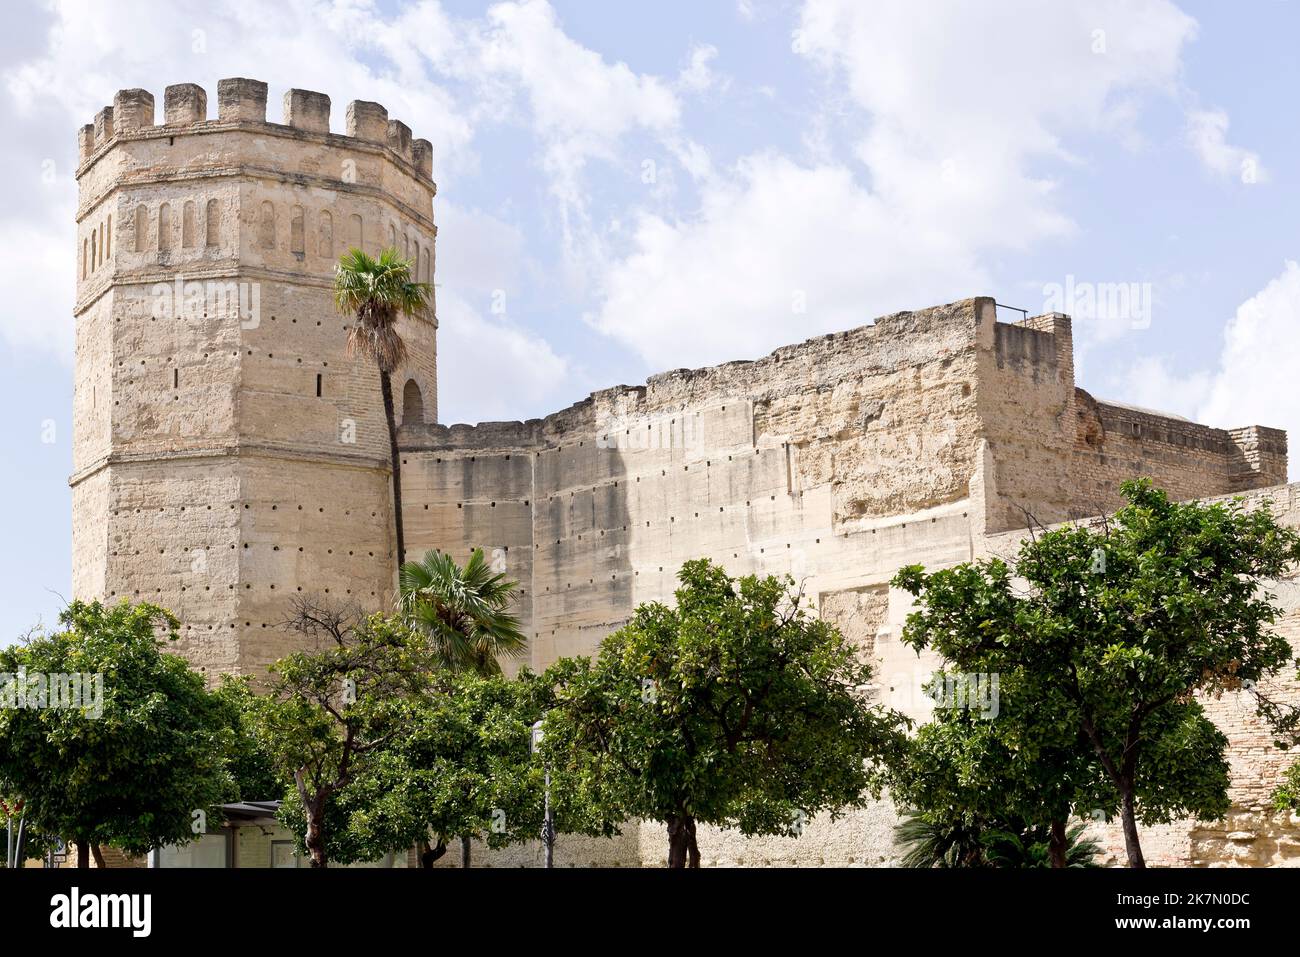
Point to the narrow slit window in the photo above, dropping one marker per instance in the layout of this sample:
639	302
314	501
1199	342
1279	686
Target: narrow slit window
176	378
318	379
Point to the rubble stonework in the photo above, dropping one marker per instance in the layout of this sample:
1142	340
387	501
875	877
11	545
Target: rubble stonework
229	454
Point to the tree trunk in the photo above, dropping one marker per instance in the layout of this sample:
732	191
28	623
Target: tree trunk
386	385
692	849
681	835
99	857
1129	818
464	851
315	839
1057	844
83	855
430	854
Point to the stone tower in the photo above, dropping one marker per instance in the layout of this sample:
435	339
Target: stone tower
228	451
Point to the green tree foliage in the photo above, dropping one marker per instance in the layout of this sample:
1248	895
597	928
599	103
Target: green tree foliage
134	776
1287	796
1025	761
735	708
1115	627
334	714
462	768
466	618
248	759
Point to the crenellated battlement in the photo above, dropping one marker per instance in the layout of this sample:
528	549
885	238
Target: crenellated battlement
241	101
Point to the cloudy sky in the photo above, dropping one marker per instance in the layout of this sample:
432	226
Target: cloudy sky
628	187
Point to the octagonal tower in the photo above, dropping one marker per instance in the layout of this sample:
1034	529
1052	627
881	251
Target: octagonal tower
228	451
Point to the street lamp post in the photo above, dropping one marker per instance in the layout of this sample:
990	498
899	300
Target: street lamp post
548	819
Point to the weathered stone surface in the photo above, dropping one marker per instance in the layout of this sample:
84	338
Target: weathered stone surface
228	450
230	454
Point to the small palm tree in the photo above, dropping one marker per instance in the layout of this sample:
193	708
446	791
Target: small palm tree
465	614
463	611
932	842
1031	849
935	839
376	291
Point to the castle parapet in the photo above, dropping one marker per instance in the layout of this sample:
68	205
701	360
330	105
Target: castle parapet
1263	456
399	140
367	121
103	126
243	100
422	150
132	110
307	110
184	104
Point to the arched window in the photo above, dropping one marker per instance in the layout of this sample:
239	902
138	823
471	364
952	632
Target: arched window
189	228
325	246
392	236
212	224
355	237
406	246
266	230
94	249
428	275
164	228
85	258
412	404
297	232
108	238
141	228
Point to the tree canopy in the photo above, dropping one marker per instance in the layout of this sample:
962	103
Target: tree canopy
141	768
1110	629
735	708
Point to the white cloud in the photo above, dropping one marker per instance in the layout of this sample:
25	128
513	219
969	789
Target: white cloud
581	105
964	103
493	370
698	75
1207	132
1255	381
38	276
778	252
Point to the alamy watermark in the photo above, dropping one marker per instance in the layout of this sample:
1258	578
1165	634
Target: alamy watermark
57	691
1106	301
204	300
970	692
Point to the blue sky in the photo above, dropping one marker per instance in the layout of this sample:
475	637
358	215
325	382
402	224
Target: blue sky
628	187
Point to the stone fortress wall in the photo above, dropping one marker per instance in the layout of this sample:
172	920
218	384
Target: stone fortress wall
227	458
924	437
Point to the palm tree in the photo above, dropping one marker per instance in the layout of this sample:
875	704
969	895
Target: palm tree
934	842
937	839
464	612
376	290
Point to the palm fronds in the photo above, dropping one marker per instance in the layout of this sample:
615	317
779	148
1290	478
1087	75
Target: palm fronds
463	611
934	843
944	840
376	290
